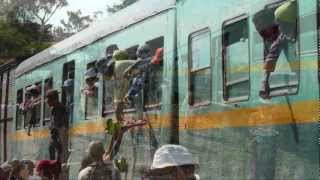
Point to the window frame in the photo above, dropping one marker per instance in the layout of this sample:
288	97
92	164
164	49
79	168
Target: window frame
159	104
45	122
39	123
86	117
226	23
134	47
190	70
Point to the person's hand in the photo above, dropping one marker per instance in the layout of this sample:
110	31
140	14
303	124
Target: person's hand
106	158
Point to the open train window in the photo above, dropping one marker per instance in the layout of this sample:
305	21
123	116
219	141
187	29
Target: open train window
19	110
153	85
108	92
68	88
91	93
235	57
48	85
32	105
132	52
200	67
110	49
277	47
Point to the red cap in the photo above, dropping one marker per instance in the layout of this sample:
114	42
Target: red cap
46	164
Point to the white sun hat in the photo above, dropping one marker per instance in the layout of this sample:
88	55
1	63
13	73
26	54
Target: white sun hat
171	155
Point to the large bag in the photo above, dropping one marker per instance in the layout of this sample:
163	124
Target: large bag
264	19
287	12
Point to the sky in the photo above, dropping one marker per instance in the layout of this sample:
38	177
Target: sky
87	7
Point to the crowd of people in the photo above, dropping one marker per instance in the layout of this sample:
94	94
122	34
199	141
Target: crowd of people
28	170
170	162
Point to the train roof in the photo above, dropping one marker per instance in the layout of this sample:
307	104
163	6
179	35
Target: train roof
128	16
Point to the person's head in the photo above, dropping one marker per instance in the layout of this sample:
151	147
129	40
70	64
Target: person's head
172	162
109	51
68	86
91	77
34	90
96	150
30	165
105	67
48	169
52	97
20	171
143	51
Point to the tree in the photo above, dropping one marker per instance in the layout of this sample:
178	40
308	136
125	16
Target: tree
76	22
118	7
39	11
19	34
19	41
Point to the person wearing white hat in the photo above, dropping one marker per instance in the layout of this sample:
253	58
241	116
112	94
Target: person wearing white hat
172	162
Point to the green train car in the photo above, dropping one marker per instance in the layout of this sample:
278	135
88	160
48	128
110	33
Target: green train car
205	95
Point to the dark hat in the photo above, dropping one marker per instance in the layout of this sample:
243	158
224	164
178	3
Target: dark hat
52	92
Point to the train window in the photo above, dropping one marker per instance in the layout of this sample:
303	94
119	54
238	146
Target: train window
68	88
200	67
132	51
235	56
19	109
91	92
48	84
153	84
277	47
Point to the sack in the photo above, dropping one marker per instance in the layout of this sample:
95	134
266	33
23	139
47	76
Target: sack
287	12
101	171
264	19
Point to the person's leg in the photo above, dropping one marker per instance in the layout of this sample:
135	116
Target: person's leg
272	53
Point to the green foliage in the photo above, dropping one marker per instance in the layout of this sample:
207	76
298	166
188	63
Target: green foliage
19	41
112	127
122	164
118	7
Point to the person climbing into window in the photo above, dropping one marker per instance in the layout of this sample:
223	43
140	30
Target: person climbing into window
91	87
114	69
141	70
30	107
277	27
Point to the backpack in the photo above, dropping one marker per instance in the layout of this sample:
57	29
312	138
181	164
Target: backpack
101	171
